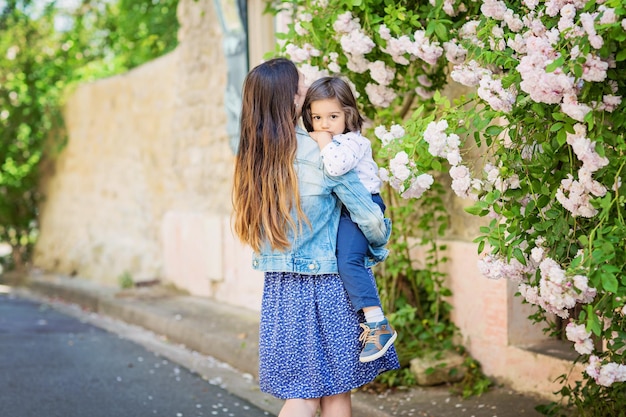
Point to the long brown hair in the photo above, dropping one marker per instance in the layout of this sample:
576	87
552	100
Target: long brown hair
332	88
265	187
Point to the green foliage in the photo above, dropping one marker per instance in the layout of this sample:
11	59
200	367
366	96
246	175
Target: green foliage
401	378
475	382
138	31
125	280
587	399
28	93
43	52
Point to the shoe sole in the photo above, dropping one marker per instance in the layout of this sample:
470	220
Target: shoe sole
381	352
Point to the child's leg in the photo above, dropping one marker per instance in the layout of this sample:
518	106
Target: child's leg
352	247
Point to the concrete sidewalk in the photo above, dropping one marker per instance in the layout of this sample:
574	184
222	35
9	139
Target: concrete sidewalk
230	335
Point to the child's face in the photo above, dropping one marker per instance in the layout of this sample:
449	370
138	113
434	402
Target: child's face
327	115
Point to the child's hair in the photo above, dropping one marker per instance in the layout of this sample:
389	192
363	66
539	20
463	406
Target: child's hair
330	88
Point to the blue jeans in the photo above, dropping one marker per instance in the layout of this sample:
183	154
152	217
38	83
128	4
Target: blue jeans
352	248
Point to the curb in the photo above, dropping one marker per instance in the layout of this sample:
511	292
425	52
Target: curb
227	333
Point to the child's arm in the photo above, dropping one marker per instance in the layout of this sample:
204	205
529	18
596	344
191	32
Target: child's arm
344	153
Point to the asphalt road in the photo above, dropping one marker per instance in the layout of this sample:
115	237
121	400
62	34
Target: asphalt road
53	364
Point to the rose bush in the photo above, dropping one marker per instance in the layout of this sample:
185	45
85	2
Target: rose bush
537	144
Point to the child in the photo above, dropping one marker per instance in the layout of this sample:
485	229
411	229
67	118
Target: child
331	116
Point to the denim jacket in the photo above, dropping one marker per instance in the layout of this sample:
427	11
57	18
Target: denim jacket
321	196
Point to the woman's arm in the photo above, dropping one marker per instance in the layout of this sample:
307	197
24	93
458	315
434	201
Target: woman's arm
363	211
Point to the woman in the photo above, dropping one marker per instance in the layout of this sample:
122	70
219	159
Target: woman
286	209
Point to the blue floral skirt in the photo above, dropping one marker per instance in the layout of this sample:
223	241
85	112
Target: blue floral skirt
308	345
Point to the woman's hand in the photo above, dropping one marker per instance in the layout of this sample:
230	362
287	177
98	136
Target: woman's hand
322	138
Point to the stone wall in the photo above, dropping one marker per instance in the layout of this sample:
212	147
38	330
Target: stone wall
143	185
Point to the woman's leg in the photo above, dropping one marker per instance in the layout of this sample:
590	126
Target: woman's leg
298	407
339	405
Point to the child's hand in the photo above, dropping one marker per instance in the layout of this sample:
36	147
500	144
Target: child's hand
322	138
